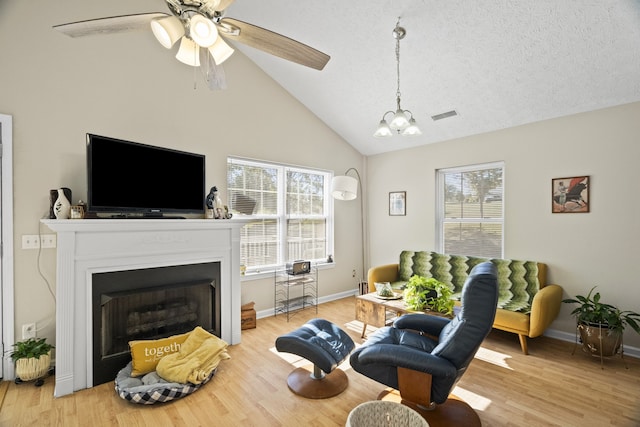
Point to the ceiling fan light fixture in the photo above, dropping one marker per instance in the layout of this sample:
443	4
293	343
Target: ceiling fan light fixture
189	52
203	31
167	30
221	51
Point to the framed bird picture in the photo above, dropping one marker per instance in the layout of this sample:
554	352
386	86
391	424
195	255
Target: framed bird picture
570	195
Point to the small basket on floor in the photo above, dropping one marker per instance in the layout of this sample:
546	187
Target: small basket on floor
33	368
384	414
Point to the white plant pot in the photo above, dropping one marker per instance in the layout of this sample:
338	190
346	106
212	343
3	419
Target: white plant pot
31	368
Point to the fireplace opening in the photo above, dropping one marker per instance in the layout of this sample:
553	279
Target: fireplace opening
149	304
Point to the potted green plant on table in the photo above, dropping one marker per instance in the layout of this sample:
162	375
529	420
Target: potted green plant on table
32	358
601	325
423	293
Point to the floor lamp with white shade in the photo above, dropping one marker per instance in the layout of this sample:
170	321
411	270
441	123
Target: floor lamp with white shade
345	187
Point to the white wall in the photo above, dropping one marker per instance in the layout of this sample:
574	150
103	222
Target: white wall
581	250
127	86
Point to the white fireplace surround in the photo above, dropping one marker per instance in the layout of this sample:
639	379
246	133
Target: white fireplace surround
91	246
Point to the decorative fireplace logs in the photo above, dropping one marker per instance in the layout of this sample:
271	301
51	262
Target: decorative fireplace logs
167	315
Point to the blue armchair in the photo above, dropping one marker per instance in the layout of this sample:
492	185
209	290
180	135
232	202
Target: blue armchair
423	356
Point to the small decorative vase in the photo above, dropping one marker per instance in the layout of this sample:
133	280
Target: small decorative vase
62	207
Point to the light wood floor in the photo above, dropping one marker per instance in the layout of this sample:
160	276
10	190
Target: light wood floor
550	387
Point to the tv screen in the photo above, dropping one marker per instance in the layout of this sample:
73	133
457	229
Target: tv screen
131	178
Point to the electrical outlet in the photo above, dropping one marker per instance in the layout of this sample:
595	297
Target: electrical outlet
353	273
33	241
48	241
28	331
30	241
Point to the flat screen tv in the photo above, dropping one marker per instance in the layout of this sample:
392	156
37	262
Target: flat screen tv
129	179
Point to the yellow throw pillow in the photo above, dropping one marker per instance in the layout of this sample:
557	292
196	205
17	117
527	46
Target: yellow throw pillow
145	354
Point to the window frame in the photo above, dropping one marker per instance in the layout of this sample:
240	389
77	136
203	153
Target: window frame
281	215
441	220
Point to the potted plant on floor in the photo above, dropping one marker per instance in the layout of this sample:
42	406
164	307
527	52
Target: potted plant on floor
601	325
32	358
423	293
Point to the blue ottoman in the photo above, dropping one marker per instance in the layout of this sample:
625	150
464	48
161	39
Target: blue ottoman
326	346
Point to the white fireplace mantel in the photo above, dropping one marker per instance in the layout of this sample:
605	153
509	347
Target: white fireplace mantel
89	246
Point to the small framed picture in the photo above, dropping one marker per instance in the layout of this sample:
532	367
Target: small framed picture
570	195
397	203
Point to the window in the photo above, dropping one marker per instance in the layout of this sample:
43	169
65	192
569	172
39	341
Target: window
470	210
289	210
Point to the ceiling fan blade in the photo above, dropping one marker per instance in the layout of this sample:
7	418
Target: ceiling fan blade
112	24
224	4
273	43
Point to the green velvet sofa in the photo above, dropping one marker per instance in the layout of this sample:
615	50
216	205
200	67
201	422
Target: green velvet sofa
527	305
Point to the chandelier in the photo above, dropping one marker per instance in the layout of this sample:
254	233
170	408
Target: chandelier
402	122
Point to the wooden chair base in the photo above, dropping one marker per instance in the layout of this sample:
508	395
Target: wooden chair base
454	412
301	383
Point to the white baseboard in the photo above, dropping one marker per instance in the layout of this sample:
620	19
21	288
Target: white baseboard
321	300
551	333
571	337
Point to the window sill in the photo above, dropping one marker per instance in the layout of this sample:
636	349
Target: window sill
268	274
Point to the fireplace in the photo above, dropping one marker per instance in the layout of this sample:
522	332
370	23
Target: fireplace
92	249
149	303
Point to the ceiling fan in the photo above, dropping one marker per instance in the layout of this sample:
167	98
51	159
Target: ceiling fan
201	27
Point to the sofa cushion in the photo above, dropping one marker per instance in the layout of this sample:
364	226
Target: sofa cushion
405	268
518	284
512	321
517	280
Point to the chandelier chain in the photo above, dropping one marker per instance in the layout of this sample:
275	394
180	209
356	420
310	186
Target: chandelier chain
398	61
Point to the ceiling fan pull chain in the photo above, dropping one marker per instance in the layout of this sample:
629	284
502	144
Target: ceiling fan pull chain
195	84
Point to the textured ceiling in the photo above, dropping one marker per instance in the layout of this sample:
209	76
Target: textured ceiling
499	64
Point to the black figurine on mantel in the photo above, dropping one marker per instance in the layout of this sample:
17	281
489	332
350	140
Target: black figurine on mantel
211	197
214	202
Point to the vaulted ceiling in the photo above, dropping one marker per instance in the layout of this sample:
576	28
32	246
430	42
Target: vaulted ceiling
497	63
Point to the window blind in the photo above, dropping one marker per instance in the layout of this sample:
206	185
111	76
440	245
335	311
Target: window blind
288	209
470	210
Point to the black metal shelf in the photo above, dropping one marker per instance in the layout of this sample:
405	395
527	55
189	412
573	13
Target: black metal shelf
295	292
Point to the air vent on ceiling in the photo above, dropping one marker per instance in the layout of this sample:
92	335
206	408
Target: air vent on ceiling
444	115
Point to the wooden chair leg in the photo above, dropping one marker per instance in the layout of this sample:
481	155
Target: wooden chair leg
415	392
523	343
415	387
454	412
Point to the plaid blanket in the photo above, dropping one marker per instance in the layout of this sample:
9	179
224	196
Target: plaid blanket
158	393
